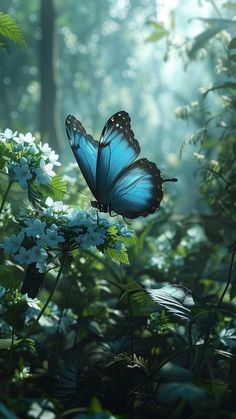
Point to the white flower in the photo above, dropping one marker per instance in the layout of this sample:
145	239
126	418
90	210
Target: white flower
125	231
119	246
52	238
198	157
214	165
12	243
8	134
32	149
41	266
24	256
53	158
202	53
183	112
205	89
46	150
92	238
35	228
44	173
224	37
38	254
79	218
27	138
56	206
21	172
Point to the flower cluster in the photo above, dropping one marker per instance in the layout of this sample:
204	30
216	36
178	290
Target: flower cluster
27	161
46	234
183	112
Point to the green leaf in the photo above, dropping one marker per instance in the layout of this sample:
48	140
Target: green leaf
174	298
10	29
117	256
5	413
156	36
56	189
229	5
201	40
171	392
6	343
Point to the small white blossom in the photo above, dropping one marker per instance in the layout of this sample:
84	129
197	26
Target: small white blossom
92	238
38	254
8	134
52	237
27	138
126	231
12	243
55	207
119	246
183	112
35	228
227	101
24	256
214	164
198	157
53	158
79	218
21	172
205	89
41	266
202	53
224	37
32	149
44	173
46	150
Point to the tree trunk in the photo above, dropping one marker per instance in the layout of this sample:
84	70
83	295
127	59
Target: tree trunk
48	109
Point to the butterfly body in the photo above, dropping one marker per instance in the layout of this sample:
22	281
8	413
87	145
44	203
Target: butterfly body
118	181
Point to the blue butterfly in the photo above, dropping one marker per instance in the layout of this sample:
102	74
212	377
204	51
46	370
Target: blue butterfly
118	181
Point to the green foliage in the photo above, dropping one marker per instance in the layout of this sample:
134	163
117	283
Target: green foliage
56	190
146	331
10	30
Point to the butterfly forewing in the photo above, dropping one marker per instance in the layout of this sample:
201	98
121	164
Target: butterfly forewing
138	191
117	149
85	149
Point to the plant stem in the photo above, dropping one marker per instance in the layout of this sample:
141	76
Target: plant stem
228	281
5	196
10	360
212	315
47	301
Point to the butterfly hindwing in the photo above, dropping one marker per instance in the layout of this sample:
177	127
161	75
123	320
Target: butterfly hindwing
138	190
117	149
85	149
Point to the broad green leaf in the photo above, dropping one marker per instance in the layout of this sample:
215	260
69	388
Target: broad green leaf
10	29
171	392
117	256
201	40
6	343
174	298
156	36
5	413
56	189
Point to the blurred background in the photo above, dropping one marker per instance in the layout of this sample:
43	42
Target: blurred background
92	59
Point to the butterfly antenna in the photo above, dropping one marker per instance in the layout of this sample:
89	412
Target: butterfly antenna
170	180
